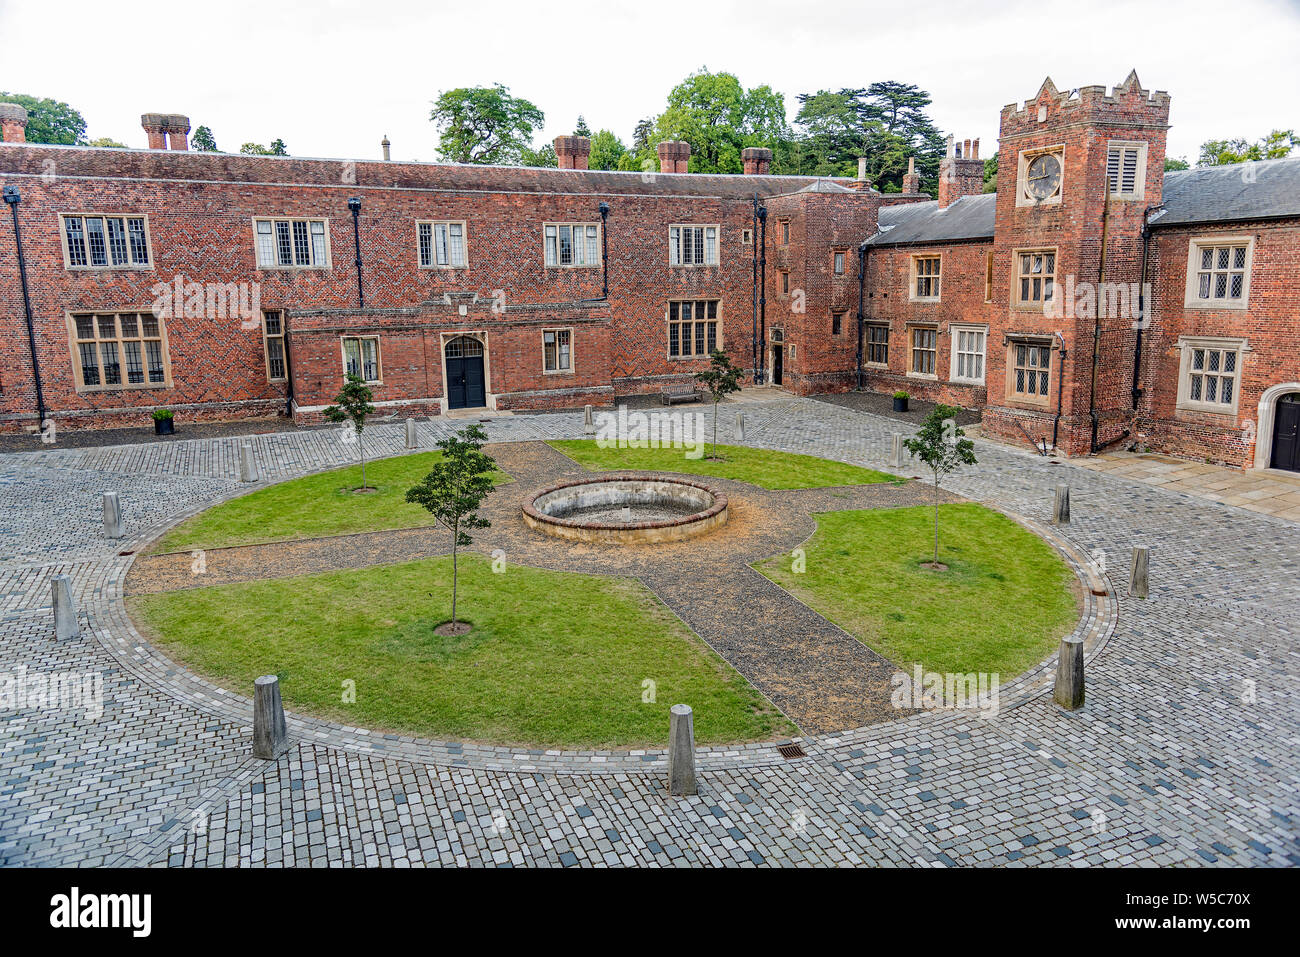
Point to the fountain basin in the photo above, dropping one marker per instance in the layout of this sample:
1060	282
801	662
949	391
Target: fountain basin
592	510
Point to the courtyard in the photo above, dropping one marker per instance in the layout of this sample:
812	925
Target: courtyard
548	751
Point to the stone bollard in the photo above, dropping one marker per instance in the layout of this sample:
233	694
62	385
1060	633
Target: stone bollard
270	736
65	609
114	527
681	750
1061	505
247	463
1069	674
897	451
588	422
1137	579
740	426
412	435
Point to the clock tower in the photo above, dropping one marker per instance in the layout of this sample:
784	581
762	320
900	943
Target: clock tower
1077	170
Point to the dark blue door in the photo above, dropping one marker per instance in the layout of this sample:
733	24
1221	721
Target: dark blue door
466	384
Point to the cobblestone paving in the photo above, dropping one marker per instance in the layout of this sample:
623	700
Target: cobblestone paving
1185	754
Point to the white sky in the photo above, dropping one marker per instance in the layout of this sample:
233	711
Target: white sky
331	77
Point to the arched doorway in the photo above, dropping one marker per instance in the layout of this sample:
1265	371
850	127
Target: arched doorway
778	357
1285	452
466	383
1266	425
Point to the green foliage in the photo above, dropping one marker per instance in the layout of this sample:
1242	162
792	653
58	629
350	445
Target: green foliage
162	415
484	125
545	156
721	379
991	174
203	141
582	129
1174	165
109	142
454	490
939	443
719	118
902	394
353	405
1276	145
49	121
277	148
607	151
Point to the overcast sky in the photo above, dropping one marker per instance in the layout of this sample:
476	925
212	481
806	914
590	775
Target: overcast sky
332	78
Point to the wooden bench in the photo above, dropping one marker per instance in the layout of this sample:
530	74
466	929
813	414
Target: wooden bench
681	392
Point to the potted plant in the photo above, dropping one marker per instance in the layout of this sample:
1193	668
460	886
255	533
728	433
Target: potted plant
900	400
164	422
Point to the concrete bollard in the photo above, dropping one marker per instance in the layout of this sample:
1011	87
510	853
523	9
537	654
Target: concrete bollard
412	435
247	463
1061	505
1137	579
740	426
588	422
681	750
270	736
114	527
65	609
1069	674
897	452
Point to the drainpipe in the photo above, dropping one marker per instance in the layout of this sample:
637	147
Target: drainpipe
288	366
604	248
1060	389
762	296
753	239
862	289
354	204
1096	323
1142	308
12	197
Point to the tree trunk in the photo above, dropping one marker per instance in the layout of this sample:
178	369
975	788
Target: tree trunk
715	426
361	448
936	518
455	579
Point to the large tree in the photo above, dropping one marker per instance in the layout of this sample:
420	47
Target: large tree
1276	145
49	121
277	148
719	118
607	151
484	124
203	141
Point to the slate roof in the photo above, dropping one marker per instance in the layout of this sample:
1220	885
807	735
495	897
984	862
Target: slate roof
1266	189
970	217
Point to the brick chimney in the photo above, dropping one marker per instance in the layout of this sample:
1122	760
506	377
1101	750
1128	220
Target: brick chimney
572	151
961	172
861	182
757	160
165	129
387	148
13	123
911	179
674	155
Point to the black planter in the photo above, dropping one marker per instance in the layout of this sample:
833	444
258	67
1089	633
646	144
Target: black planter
164	426
900	405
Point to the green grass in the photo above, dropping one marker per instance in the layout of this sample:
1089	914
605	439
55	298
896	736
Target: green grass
1002	605
761	467
554	660
313	506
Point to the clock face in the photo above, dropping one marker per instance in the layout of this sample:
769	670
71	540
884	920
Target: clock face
1043	176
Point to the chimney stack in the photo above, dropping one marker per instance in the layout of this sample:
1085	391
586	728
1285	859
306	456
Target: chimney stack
961	172
165	129
13	123
911	179
674	156
572	152
757	160
388	156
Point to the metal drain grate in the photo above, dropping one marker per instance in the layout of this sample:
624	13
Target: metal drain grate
791	751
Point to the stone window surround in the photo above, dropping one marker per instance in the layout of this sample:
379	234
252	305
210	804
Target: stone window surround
573	265
912	329
135	267
1022	183
572	354
866	345
379	358
464	238
717	245
266	348
1031	340
679	322
913	275
1191	297
953	329
1140	175
78	381
1225	343
1032	305
328	264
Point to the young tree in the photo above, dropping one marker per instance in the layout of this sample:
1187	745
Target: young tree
939	444
203	141
721	379
277	148
582	129
49	121
1276	145
484	125
454	490
107	141
353	405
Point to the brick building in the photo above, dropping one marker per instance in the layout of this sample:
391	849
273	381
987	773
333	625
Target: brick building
224	285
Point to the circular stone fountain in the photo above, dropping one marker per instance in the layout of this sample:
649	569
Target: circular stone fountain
626	509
